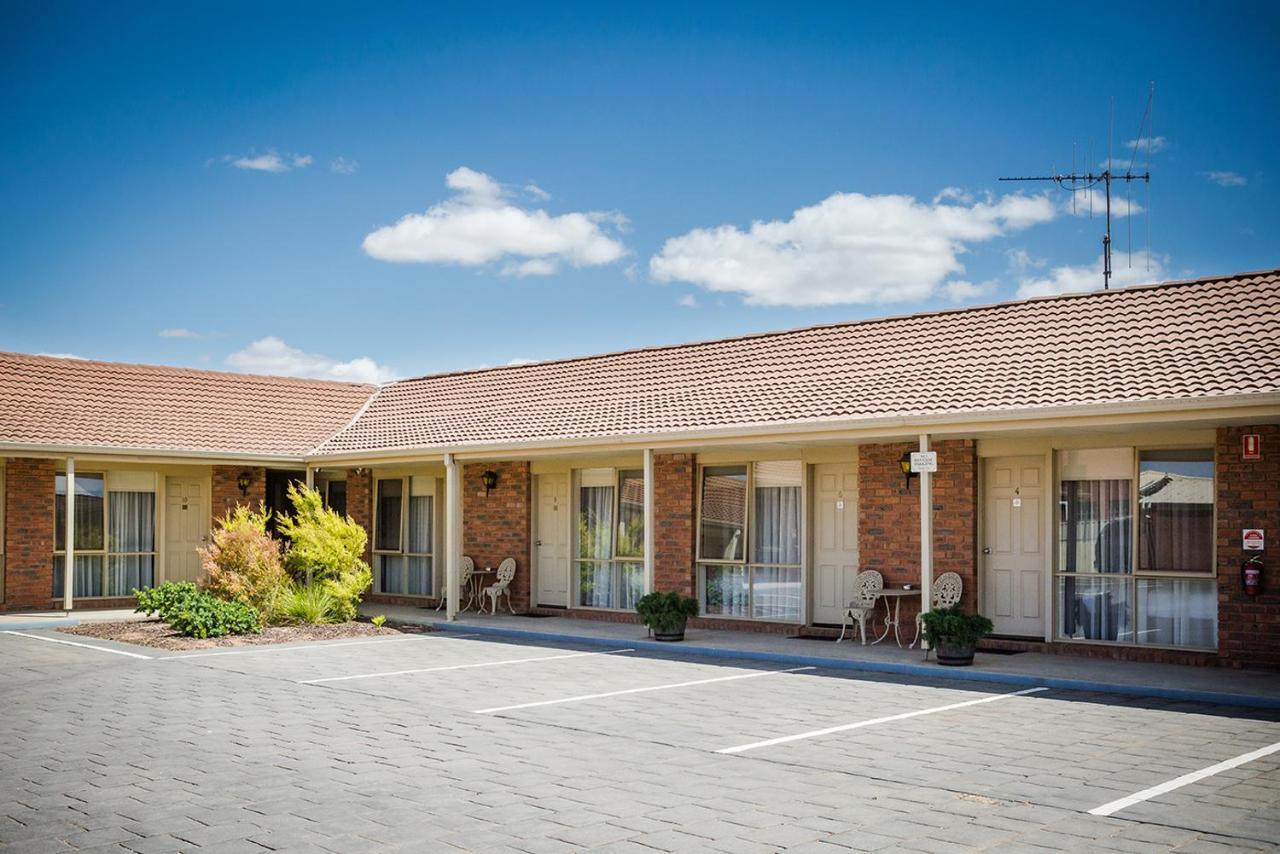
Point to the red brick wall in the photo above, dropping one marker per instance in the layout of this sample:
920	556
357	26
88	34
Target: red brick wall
674	510
226	491
1248	497
496	526
28	532
360	504
889	517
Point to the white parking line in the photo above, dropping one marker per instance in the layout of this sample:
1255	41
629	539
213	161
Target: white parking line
1185	780
582	697
292	648
82	645
742	748
460	666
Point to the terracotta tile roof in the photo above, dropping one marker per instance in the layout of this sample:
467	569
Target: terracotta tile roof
1198	339
52	401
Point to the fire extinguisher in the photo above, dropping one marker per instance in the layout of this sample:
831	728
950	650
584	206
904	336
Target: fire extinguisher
1251	576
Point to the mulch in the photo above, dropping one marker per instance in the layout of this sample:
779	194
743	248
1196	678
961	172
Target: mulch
154	633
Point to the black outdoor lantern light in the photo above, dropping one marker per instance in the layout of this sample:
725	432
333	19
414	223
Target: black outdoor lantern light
490	480
905	463
243	482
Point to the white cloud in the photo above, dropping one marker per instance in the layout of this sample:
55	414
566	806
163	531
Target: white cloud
520	360
1226	178
959	290
953	194
343	166
269	162
64	356
1120	206
848	248
1088	277
1154	144
271	355
537	192
1020	261
481	225
689	301
190	334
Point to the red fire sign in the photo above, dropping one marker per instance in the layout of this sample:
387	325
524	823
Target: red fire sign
1253	539
1252	449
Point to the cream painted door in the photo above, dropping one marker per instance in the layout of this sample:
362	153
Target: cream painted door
835	539
186	527
552	542
1014	567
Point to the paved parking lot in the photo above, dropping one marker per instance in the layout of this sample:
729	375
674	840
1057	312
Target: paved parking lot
431	742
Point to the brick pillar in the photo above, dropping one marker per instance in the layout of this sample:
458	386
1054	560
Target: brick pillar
496	526
674	488
360	504
28	532
1248	497
226	491
889	516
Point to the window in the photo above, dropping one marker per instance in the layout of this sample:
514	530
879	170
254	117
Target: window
404	536
610	559
1106	592
335	496
749	552
115	533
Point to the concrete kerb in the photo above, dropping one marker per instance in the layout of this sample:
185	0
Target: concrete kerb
965	674
19	624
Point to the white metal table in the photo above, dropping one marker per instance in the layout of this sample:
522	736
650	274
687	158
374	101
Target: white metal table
897	594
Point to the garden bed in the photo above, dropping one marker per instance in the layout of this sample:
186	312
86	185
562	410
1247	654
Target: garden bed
154	633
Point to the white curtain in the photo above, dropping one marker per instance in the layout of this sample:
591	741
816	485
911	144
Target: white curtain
595	547
131	527
1174	612
421	515
775	590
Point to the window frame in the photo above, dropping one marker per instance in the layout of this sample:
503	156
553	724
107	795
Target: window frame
406	496
749	529
576	560
1134	573
105	552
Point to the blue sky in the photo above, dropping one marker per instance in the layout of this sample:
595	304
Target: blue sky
375	190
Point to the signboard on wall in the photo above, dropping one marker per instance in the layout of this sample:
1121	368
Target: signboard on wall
1254	540
1251	446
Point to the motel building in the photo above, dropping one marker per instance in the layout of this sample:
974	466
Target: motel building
1099	457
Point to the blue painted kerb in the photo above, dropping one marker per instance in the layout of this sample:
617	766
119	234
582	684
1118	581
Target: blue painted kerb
38	623
967	674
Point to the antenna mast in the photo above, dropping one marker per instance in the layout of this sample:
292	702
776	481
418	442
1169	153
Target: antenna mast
1076	181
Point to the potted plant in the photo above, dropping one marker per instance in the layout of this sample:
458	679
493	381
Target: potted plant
954	635
666	614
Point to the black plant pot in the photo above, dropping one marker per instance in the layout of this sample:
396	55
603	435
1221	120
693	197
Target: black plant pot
676	634
955	654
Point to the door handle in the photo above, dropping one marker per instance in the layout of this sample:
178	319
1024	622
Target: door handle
986	551
537	542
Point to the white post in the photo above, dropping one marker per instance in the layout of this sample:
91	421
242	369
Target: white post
311	478
69	562
926	534
452	534
649	580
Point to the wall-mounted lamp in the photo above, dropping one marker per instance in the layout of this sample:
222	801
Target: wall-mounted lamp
243	482
489	479
904	462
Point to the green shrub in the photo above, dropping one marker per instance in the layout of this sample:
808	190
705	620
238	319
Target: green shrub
309	604
206	616
166	600
666	612
953	625
243	561
326	549
379	621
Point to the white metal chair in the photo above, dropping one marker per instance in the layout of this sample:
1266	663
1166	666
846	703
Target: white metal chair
465	588
944	593
500	587
866	592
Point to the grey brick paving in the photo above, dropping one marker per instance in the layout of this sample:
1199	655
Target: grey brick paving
232	753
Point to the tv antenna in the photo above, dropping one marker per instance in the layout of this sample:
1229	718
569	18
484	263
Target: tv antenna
1076	182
